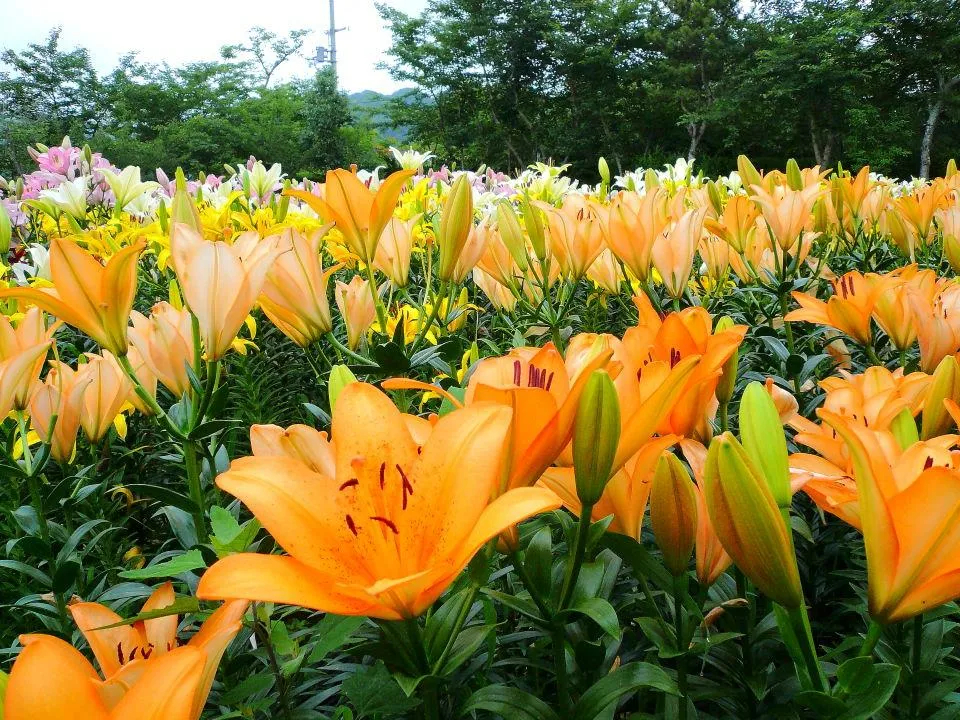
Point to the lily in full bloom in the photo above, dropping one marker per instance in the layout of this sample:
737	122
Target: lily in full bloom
786	211
145	673
294	295
360	214
221	282
737	224
910	527
576	235
94	299
633	225
849	309
657	345
392	529
126	185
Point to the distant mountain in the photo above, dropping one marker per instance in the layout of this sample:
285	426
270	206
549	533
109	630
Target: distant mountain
370	105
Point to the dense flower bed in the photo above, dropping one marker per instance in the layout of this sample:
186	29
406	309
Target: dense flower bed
668	446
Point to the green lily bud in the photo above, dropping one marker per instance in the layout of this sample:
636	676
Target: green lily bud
673	513
512	233
951	169
650	179
456	221
728	377
340	377
596	436
6	229
748	522
764	441
748	173
284	203
716	199
794	177
183	209
534	224
935	419
904	429
604	170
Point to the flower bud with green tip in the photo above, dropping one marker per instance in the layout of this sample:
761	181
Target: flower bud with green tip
764	441
340	377
596	436
673	513
456	222
935	419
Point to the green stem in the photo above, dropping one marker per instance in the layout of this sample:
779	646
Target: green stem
381	314
745	648
678	593
528	584
916	648
560	668
457	626
431	701
872	354
872	638
347	351
724	416
148	399
804	636
580	548
434	311
195	489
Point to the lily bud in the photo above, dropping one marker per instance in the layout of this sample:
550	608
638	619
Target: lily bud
748	522
673	513
604	170
534	224
183	209
284	203
748	172
6	229
794	177
935	419
951	248
728	371
904	429
713	193
951	169
456	221
512	233
596	436
340	377
764	440
650	180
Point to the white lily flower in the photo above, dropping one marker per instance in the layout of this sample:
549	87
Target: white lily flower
410	159
126	185
70	196
260	183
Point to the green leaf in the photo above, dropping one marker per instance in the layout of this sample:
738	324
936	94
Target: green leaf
28	570
623	681
253	685
600	611
855	675
875	695
372	690
538	560
190	560
441	624
224	524
464	647
180	606
334	631
508	702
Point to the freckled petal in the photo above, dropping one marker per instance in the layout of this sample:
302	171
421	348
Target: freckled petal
281	579
167	688
161	632
104	643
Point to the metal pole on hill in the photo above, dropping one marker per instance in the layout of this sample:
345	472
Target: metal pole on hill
333	42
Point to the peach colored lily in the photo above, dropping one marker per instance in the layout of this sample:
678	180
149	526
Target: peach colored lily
356	307
165	343
294	295
849	309
360	214
633	225
674	250
221	282
737	224
394	249
787	212
93	298
60	395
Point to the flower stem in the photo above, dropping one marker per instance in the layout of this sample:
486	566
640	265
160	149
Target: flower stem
872	638
195	488
678	593
580	547
381	314
915	666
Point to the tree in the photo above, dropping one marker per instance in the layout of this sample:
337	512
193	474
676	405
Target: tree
266	51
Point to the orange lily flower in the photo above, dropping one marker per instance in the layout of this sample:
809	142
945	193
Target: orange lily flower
656	345
51	680
605	272
106	390
165	342
674	250
360	214
392	529
848	310
737	224
29	333
499	295
294	295
634	223
910	527
356	307
60	395
576	234
127	651
919	208
479	238
893	310
936	312
95	299
221	282
498	262
787	212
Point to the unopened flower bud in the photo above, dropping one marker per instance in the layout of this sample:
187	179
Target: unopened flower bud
673	513
456	221
340	377
764	441
935	419
596	436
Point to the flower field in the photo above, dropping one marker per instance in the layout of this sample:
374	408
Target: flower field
433	443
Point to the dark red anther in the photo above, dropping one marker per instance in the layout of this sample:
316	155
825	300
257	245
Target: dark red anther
516	373
352	482
120	652
352	525
388	522
407	486
550	381
928	463
383	475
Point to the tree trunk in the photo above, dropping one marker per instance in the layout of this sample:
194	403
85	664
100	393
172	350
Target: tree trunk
695	130
926	145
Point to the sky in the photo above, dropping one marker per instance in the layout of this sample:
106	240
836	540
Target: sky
182	31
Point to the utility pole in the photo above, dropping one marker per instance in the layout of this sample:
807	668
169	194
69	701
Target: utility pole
332	35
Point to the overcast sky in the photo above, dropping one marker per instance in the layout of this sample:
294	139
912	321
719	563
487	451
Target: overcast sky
181	31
